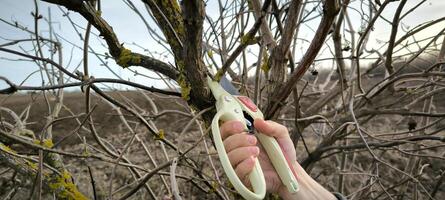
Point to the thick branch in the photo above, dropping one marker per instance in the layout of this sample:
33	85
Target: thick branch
330	10
279	57
192	68
169	19
123	57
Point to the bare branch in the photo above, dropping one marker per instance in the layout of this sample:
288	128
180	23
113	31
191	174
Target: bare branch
124	57
330	10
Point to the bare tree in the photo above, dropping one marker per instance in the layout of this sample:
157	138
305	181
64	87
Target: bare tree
368	124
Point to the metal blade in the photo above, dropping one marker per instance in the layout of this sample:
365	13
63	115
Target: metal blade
228	86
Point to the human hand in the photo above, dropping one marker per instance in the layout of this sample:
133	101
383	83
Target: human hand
243	148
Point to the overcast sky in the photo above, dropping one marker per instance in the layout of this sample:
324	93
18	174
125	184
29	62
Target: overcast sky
128	28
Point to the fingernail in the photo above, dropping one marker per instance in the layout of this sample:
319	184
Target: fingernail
254	150
251	139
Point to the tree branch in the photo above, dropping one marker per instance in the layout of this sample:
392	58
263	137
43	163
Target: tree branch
60	183
280	54
169	19
192	68
245	41
124	57
279	96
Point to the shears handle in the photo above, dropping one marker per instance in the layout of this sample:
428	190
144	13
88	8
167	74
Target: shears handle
282	166
256	177
280	163
231	108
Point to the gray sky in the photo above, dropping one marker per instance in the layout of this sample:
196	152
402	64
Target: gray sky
129	29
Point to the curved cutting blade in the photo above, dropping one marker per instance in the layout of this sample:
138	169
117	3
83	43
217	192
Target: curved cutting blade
228	86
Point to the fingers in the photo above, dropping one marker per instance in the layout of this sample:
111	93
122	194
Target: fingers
240	147
244	168
239	154
230	128
239	140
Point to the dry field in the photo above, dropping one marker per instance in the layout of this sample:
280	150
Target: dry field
110	127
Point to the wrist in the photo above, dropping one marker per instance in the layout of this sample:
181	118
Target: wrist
308	187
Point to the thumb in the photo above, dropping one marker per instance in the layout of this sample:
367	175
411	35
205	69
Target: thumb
280	133
271	128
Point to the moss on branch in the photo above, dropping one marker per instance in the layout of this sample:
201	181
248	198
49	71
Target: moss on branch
59	183
48	143
65	187
265	66
182	81
126	57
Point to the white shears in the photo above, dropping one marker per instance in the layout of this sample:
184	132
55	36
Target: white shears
231	106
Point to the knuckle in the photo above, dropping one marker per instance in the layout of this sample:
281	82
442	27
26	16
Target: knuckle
230	128
243	170
233	157
238	155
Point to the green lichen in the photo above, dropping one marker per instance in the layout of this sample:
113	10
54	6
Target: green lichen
180	65
126	58
182	82
245	39
175	6
185	87
172	11
32	165
180	29
85	151
248	40
7	148
265	65
61	184
175	15
210	53
48	143
24	164
172	42
214	187
219	75
161	135
65	187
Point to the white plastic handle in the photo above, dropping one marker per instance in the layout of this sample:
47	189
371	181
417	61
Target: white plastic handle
282	166
256	177
279	162
229	109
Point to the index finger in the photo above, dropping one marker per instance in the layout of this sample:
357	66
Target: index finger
230	128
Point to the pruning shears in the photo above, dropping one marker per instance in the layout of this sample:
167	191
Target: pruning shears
232	106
